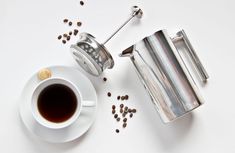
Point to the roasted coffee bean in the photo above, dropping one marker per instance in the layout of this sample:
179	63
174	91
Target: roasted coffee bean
126	108
124	125
109	94
123	98
117	131
124	114
65	35
75	32
104	79
131	115
125	120
59	37
68	38
79	24
113	107
129	110
121	110
65	20
116	116
64	41
70	33
118	97
81	3
70	23
113	111
134	110
121	105
118	119
126	97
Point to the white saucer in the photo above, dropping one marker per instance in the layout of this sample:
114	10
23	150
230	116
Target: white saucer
75	130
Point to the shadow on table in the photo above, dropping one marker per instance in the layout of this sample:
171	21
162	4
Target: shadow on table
43	146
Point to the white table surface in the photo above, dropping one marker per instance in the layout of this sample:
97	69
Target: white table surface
28	42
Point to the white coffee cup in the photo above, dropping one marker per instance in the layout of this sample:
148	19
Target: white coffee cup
53	125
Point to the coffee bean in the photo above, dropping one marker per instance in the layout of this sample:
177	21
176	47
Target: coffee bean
65	20
125	111
70	33
121	105
75	32
126	108
123	98
68	38
121	110
104	79
116	116
118	119
124	115
125	120
131	115
113	111
70	23
126	97
65	35
117	131
129	110
81	3
109	94
118	97
124	125
134	110
113	107
64	41
59	37
79	24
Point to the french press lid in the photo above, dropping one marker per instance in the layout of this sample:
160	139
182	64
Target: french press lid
93	56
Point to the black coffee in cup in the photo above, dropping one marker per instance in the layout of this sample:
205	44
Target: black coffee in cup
57	103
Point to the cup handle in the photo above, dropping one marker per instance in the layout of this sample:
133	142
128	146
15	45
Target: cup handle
86	103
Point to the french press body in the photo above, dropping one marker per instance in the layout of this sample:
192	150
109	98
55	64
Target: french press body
165	75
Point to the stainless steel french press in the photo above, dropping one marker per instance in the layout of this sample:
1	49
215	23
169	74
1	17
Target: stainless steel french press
93	56
165	75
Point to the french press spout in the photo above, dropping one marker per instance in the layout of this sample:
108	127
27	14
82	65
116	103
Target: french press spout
93	56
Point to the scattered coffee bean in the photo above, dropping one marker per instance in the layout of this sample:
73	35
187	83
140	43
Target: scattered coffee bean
116	116
104	79
68	38
81	3
59	37
70	23
70	33
118	119
126	97
121	110
124	125
64	41
131	115
113	107
124	114
79	24
65	35
117	131
65	20
109	94
75	32
126	108
123	98
121	106
129	110
134	110
118	97
125	120
113	111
